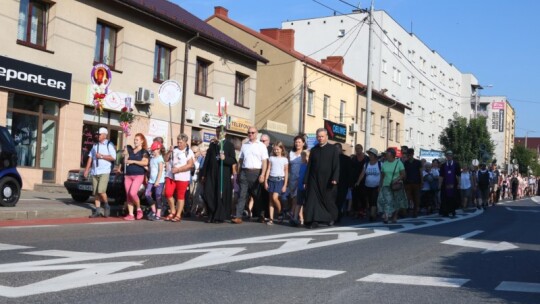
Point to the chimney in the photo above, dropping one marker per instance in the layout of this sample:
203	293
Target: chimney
334	62
283	37
221	11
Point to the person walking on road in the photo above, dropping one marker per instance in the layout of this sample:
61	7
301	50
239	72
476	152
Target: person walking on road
252	165
136	159
371	177
179	163
321	181
101	159
449	180
391	199
276	179
216	178
156	181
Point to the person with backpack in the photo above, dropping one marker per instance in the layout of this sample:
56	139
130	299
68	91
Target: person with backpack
100	160
372	174
465	186
179	163
482	183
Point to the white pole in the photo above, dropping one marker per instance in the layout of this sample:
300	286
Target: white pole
367	138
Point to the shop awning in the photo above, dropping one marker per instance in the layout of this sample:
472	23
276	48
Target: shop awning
286	139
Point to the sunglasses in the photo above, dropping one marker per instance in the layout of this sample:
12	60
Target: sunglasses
252	132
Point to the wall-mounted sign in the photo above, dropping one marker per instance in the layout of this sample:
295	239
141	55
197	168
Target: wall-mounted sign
209	119
501	120
170	92
24	76
311	140
207	137
336	132
238	124
499	105
101	76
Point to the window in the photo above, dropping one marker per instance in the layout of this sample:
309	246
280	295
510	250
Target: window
240	98
201	82
411	134
105	51
383	126
363	119
421	88
399	77
409	82
33	123
326	101
310	95
398	133
384	66
162	63
342	106
395	74
391	132
32	27
372	117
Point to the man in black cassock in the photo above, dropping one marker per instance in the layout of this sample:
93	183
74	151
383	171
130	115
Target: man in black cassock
321	179
218	204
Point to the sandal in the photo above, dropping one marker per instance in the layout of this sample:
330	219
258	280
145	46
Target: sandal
176	219
169	217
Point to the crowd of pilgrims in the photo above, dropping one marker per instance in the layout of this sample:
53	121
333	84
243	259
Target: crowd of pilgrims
301	187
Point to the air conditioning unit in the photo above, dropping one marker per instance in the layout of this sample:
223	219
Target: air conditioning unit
190	114
354	128
144	96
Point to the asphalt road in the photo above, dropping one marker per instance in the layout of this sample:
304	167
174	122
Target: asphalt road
478	257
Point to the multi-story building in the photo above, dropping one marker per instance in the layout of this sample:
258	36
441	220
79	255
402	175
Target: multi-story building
50	48
297	94
500	120
402	65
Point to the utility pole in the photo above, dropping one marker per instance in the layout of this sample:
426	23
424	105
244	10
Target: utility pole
367	138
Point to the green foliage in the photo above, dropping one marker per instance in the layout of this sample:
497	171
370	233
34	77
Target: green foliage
526	158
466	138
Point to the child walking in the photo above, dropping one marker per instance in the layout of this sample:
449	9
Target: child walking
298	216
276	178
156	181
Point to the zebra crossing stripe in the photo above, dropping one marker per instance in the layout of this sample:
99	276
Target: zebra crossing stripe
519	287
292	272
414	280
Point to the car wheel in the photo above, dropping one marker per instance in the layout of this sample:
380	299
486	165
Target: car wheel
10	192
80	198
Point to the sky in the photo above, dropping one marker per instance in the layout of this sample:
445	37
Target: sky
498	41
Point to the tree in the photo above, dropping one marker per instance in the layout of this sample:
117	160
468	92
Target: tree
468	140
525	158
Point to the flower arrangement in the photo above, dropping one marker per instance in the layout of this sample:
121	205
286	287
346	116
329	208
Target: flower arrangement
126	119
99	92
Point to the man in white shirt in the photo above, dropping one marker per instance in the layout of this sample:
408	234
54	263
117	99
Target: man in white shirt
252	165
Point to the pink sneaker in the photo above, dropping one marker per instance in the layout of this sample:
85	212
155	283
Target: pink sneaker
139	214
129	217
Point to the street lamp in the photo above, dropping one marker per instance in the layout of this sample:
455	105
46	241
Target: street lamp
477	88
527	135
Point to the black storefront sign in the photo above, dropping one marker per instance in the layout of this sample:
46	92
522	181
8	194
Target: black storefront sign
24	76
336	132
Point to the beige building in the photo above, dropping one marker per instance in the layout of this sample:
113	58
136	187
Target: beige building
49	50
298	94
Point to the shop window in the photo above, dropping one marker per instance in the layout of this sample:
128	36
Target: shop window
32	29
91	125
33	123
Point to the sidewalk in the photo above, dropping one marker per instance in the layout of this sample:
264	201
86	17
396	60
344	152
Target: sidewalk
43	205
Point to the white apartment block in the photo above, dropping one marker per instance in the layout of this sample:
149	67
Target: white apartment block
403	67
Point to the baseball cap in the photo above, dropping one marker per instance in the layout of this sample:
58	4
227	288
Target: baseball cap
103	131
155	146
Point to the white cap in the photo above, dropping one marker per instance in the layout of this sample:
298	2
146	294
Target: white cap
103	131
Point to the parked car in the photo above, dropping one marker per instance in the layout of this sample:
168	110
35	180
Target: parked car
10	180
80	188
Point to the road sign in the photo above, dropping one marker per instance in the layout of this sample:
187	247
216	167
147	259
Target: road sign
170	92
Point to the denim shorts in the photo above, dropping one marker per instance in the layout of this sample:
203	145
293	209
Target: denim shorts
275	184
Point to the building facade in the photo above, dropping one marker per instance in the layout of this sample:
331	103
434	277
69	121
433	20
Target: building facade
501	125
297	94
47	72
402	66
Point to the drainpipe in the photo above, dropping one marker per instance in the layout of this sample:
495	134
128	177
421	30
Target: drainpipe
303	107
184	83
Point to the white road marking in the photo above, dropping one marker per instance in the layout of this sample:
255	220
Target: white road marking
517	210
210	254
12	247
31	226
519	287
536	199
488	247
414	280
293	272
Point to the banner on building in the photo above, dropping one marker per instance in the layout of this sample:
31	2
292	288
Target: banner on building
430	155
336	132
